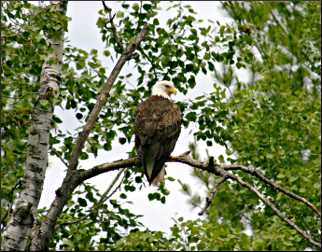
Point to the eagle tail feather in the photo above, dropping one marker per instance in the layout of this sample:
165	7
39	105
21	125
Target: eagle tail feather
149	165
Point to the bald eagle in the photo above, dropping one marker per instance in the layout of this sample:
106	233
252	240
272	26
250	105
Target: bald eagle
157	128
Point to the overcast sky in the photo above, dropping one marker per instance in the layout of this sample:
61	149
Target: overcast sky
84	34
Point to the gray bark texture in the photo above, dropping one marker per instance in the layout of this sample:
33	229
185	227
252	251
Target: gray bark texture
18	230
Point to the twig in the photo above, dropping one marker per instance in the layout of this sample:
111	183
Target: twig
151	62
213	195
267	202
113	27
103	198
257	173
279	23
118	186
60	158
105	7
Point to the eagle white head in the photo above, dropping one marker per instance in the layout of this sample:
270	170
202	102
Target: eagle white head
164	88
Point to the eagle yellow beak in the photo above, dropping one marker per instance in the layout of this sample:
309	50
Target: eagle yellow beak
172	90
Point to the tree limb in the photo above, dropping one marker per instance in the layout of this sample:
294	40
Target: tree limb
102	98
260	175
186	159
267	202
212	196
220	170
113	27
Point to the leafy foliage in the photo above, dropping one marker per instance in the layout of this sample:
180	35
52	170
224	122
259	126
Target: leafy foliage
98	224
271	121
23	50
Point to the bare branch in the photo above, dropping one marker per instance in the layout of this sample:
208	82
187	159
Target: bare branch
102	98
105	6
186	159
60	157
220	170
107	167
212	196
113	27
106	195
260	175
267	202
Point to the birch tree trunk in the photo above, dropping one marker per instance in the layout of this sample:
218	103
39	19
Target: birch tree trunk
18	229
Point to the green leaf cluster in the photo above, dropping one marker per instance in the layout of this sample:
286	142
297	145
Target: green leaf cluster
271	121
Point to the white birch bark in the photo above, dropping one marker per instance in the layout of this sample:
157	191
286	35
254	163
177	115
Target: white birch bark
18	229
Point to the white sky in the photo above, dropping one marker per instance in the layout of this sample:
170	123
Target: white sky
84	34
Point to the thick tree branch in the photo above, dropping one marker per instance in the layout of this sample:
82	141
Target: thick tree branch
102	98
107	167
42	234
186	159
220	170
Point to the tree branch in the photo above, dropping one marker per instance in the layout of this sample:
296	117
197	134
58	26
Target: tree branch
113	27
102	98
212	196
220	170
108	194
267	202
260	175
186	159
60	157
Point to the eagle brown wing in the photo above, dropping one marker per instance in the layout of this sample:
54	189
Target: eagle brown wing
157	128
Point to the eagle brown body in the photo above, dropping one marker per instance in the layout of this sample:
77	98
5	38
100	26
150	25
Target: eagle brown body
157	128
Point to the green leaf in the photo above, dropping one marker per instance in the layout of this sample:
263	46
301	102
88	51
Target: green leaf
147	7
82	202
191	116
83	156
